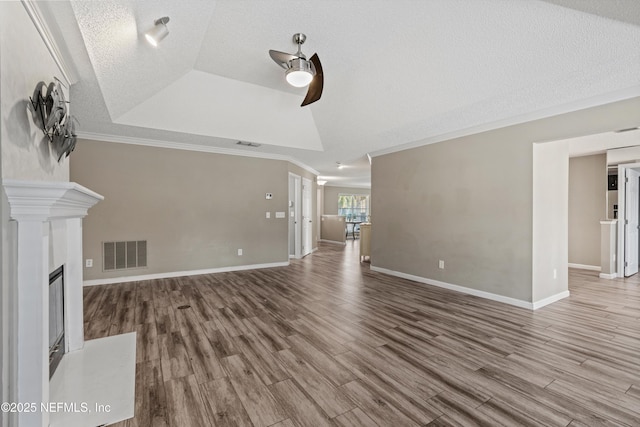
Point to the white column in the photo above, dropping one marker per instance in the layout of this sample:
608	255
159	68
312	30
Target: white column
74	326
33	321
608	231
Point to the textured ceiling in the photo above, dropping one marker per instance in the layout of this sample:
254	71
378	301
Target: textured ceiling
396	72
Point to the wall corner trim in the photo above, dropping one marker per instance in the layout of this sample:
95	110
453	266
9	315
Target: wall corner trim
553	298
585	267
608	276
171	274
458	288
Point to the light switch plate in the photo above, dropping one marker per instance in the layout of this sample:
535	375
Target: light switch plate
280	215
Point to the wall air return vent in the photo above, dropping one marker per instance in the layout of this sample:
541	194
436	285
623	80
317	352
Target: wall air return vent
124	255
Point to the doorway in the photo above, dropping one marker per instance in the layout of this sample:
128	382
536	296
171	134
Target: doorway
300	216
628	212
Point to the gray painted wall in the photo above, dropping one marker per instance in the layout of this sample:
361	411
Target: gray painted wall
333	228
25	155
194	209
587	204
468	201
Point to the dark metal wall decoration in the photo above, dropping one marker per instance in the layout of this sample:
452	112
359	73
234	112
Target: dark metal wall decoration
50	112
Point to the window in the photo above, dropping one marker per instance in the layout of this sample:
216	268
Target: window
355	207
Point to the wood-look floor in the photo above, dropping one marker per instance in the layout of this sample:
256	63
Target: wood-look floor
327	342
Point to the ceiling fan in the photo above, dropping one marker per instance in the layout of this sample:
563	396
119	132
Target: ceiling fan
300	71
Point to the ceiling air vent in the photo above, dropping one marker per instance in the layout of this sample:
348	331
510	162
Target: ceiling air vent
248	144
124	255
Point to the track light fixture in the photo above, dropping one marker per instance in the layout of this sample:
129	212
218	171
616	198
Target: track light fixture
158	32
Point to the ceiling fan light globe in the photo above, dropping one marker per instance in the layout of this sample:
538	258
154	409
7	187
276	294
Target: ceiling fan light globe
299	73
298	78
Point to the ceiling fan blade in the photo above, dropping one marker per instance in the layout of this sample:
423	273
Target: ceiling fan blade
315	87
281	58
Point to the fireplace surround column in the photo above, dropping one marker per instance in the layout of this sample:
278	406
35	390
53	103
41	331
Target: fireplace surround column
33	204
74	320
33	317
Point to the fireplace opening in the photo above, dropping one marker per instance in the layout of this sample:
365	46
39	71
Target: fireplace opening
56	319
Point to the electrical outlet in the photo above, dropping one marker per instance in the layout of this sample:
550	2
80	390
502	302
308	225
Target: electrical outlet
239	252
88	263
441	264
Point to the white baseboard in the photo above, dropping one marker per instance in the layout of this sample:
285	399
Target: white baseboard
608	276
457	288
334	242
182	273
549	300
585	267
302	256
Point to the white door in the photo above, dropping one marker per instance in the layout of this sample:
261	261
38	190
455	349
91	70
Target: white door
294	216
307	219
632	192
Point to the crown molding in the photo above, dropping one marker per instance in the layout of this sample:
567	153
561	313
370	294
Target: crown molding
192	147
594	101
302	165
33	10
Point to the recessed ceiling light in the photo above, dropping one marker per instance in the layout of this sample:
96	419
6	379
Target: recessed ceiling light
158	32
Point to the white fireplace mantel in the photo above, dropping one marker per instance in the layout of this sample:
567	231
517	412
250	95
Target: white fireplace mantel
32	205
45	201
